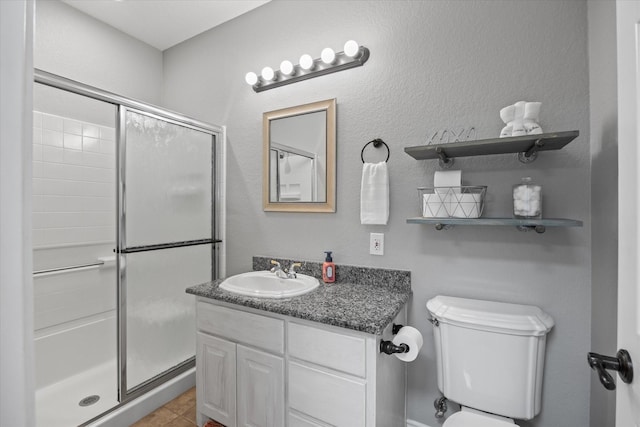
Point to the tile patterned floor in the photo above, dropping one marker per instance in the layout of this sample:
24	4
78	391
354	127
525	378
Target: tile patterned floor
180	412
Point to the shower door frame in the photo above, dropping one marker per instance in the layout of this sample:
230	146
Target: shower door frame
122	249
124	104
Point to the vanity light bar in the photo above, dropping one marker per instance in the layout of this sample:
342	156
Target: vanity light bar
329	62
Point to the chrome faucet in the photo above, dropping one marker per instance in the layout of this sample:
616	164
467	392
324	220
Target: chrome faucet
277	270
291	274
284	274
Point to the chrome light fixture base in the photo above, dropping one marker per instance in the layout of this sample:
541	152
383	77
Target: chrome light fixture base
342	62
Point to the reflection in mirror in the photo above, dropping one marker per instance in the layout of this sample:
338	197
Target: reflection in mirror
299	158
294	175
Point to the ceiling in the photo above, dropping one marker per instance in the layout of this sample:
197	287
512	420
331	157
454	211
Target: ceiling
164	23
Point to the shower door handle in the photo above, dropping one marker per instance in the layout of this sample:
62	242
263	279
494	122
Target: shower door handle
621	363
171	245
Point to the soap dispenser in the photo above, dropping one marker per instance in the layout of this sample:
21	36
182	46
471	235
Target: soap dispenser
328	269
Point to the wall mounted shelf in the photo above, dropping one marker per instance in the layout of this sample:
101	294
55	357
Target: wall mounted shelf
539	225
526	146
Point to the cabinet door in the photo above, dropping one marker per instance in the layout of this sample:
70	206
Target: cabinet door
216	379
260	389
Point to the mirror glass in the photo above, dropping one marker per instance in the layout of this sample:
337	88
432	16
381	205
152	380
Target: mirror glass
299	158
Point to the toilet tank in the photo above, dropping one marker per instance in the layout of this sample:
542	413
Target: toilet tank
490	355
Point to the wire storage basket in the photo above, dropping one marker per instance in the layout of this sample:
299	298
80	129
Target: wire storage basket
466	201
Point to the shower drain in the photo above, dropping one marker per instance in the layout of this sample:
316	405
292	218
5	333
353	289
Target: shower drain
89	400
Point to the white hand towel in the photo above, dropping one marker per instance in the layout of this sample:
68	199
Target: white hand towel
374	194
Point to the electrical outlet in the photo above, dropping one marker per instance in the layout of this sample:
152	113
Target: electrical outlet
376	243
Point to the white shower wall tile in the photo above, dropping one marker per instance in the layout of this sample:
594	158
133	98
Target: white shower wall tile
90	130
98	160
73	157
37	119
107	147
52	122
49	220
49	237
72	142
37	187
73	127
56	187
62	171
52	154
37	152
97	189
63	204
37	134
56	220
52	137
37	203
97	204
38	169
90	144
108	134
74	182
98	175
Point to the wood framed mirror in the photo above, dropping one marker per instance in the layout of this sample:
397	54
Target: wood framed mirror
299	158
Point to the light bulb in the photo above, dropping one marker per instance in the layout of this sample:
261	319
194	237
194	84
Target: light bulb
328	55
251	78
286	68
267	73
351	48
306	62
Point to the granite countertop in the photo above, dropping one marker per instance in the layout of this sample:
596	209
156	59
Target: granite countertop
363	299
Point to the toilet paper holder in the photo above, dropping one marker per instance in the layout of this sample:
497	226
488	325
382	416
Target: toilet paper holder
388	347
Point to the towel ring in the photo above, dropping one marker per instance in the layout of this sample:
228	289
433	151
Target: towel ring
376	143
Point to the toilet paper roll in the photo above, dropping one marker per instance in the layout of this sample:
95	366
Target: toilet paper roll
449	179
467	206
413	338
433	206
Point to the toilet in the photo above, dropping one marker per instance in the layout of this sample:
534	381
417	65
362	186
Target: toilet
490	359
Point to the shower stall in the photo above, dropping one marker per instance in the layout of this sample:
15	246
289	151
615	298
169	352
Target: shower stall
126	202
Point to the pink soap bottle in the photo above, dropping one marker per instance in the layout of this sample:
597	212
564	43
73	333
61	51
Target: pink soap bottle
328	269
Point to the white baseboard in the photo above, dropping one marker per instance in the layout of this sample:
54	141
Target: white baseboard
411	423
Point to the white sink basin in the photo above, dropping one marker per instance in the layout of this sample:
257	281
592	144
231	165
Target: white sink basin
265	284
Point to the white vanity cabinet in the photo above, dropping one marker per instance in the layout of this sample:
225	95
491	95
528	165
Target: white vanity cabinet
258	369
239	367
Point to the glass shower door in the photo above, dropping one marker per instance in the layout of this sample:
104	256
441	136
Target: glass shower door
166	242
73	236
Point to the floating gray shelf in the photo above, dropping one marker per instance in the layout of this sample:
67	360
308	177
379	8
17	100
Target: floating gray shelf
526	146
539	225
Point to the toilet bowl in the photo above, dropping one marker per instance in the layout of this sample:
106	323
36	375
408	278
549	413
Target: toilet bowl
468	417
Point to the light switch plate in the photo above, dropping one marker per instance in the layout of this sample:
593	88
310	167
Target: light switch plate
376	243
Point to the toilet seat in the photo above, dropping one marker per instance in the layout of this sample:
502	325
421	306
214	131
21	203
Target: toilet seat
468	417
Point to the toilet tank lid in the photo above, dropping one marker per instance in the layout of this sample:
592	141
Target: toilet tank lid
500	317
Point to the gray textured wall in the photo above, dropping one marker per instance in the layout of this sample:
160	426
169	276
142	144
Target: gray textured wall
433	65
76	46
604	198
